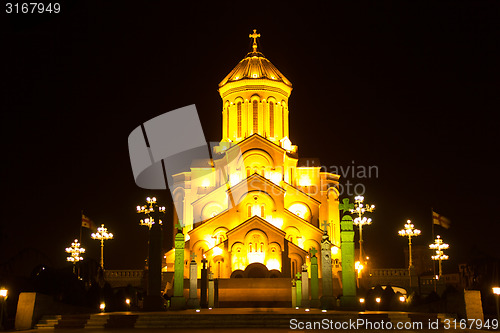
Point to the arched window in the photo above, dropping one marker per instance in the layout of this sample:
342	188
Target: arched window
227	122
239	118
262	211
249	211
255	116
250	247
248	172
271	119
283	121
261	247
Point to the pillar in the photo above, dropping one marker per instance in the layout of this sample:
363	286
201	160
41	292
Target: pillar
178	301
348	299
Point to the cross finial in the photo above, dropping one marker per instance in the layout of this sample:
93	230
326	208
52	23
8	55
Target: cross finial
193	256
298	275
178	225
325	225
345	206
255	35
313	251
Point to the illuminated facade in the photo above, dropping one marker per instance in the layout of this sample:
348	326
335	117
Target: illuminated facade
280	201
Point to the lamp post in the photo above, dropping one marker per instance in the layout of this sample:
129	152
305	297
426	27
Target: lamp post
152	211
496	291
151	208
102	234
439	246
3	310
360	209
75	253
409	231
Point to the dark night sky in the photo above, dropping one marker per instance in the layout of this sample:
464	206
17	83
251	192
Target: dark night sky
409	87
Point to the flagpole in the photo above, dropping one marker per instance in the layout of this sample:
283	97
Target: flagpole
433	261
432	222
81	227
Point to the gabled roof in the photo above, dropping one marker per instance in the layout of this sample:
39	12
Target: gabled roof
210	221
305	223
251	180
257	137
254	221
305	195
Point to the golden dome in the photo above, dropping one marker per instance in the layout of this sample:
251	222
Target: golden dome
255	66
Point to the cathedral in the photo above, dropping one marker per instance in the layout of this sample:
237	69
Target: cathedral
255	209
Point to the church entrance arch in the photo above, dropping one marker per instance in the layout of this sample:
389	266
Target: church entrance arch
256	270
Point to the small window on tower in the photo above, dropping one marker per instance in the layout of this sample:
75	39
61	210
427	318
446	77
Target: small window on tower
271	119
249	211
262	211
227	122
238	107
255	116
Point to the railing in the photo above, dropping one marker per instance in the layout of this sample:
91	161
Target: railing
124	273
388	272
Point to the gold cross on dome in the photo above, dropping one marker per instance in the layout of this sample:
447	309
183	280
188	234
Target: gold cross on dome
255	35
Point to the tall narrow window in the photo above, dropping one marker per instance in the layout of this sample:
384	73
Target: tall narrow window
227	122
255	116
271	119
283	121
262	211
239	119
249	211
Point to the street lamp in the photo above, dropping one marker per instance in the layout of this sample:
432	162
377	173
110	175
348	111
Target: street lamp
148	210
360	221
102	234
409	231
496	291
75	252
439	246
3	310
152	212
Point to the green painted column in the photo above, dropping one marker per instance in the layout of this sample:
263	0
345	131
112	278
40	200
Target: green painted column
178	301
298	288
348	298
315	303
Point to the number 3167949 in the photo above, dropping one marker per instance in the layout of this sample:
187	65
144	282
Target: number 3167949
32	8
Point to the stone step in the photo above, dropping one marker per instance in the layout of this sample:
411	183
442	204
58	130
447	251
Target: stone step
217	320
48	322
97	321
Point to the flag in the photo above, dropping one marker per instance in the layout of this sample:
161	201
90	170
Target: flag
87	223
440	220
